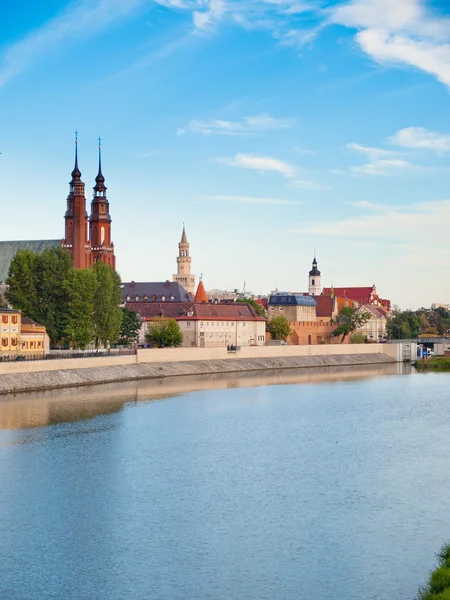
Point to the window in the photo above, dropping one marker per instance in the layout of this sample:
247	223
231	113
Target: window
281	308
272	308
4	341
146	297
39	344
4	318
128	298
172	297
137	297
188	323
163	298
313	282
13	341
14	319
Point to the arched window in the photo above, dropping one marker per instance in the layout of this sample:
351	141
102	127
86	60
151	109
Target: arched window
102	231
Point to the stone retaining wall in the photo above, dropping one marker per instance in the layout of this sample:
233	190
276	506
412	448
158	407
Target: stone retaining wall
109	373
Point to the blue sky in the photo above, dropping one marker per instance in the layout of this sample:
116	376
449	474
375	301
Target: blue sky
270	127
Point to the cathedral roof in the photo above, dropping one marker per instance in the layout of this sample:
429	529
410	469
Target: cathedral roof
314	271
291	300
8	251
200	294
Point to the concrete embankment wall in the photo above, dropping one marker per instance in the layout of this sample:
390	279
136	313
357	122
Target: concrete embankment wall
169	362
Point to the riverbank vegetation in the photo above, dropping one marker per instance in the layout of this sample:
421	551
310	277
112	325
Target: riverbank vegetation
436	363
438	586
408	324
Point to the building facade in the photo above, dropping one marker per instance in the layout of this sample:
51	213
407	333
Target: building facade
88	238
294	307
184	276
20	335
207	325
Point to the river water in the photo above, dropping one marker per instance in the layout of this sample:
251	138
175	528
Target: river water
303	485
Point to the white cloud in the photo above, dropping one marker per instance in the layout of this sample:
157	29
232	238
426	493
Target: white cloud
370	152
260	163
306	184
215	10
399	32
254	200
248	125
421	138
425	223
386	168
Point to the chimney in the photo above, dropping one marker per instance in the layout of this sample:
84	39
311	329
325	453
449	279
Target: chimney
132	284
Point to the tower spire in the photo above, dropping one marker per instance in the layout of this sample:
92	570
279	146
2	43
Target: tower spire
99	180
183	236
76	173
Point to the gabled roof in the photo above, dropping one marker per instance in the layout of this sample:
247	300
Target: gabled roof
359	294
188	311
8	251
28	321
145	291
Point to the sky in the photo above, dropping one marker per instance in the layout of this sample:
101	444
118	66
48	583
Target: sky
271	128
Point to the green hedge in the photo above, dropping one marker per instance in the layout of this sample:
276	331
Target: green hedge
436	363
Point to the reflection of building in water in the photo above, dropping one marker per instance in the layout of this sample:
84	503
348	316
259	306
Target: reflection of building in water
41	409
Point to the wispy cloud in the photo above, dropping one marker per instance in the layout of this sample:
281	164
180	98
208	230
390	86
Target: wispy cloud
428	222
266	164
260	163
404	32
254	200
246	126
421	139
79	20
381	162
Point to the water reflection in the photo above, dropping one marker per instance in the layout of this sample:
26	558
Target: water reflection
40	409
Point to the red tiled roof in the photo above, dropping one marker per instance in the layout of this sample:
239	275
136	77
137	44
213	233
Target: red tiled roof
200	294
28	321
325	306
187	311
359	294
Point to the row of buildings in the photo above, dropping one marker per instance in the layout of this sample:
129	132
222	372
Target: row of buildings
206	319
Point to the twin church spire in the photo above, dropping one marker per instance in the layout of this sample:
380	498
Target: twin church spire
88	239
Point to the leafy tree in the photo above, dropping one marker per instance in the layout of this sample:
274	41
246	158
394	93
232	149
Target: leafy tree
164	332
403	326
107	317
348	320
129	330
80	287
53	268
254	304
22	281
279	328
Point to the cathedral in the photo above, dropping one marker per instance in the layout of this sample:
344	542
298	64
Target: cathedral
88	239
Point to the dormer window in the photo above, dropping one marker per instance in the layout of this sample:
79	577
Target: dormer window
146	297
154	298
172	297
137	297
163	298
128	298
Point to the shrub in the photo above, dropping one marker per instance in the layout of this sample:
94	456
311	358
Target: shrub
358	337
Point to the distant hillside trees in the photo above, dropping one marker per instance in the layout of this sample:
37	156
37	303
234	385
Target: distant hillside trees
76	307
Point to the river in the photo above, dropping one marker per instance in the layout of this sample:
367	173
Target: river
323	484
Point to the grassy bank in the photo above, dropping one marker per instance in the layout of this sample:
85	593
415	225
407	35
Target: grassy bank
435	363
438	586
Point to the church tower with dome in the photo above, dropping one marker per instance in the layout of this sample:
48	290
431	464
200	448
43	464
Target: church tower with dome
314	286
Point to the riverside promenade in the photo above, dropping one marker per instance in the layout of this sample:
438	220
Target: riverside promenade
170	362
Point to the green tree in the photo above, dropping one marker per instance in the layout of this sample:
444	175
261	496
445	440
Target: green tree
22	280
53	268
348	320
404	325
254	304
164	332
80	287
107	317
279	328
129	330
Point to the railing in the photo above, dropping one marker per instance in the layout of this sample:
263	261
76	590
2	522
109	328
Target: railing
62	354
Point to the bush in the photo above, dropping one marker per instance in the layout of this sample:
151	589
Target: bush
358	337
436	363
438	587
